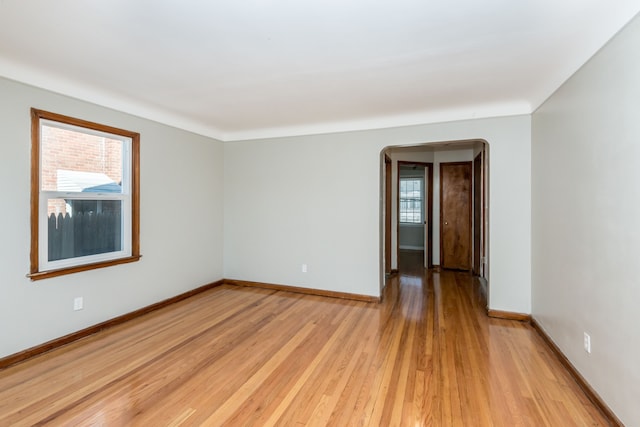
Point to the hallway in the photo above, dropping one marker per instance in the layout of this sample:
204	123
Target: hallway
479	370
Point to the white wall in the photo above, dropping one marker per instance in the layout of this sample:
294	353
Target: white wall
317	200
181	184
586	228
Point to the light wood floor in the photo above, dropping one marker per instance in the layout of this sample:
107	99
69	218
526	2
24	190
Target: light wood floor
238	356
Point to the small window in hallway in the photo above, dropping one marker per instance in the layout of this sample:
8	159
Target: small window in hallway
411	200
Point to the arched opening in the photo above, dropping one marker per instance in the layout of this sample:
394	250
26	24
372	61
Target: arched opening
414	176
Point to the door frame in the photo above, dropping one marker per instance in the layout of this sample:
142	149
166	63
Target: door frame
478	213
388	168
427	205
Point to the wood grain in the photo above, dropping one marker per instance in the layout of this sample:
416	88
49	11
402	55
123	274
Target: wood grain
455	215
232	355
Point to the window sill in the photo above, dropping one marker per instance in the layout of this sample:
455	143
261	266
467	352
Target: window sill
39	275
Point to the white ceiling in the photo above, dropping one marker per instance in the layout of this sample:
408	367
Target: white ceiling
238	69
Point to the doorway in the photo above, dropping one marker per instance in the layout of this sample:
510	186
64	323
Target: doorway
433	155
414	202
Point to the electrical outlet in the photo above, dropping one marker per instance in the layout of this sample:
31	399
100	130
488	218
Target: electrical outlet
587	343
78	303
304	268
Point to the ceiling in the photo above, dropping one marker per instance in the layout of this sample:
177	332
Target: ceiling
240	69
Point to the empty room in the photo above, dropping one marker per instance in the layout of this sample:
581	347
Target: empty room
319	213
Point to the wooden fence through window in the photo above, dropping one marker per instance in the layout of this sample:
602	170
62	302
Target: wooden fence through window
84	234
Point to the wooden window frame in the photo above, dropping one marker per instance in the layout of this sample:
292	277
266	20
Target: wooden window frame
36	117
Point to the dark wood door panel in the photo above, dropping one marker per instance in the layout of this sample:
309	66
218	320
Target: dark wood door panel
455	215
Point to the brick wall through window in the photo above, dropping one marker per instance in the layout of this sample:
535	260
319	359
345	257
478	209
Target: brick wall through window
69	150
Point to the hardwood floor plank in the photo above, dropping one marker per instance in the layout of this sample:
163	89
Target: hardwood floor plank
427	355
243	353
250	386
182	418
87	375
312	370
160	375
308	357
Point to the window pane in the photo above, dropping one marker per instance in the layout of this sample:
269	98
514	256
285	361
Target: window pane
85	185
83	227
73	161
411	203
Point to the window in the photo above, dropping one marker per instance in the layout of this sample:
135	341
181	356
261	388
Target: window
411	200
84	195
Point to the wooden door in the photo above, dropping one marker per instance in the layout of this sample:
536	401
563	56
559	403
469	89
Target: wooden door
455	215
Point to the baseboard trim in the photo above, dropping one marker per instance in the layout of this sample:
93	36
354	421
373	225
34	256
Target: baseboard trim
299	290
509	315
588	390
74	336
